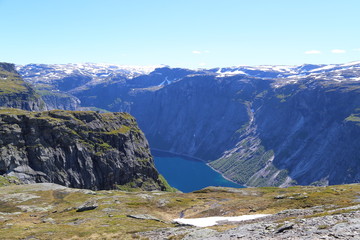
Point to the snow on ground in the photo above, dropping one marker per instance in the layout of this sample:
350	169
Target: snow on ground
231	73
351	64
211	221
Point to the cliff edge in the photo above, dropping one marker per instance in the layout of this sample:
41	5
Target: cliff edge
76	149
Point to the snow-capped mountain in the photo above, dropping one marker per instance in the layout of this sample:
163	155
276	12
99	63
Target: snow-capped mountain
258	125
337	72
47	73
67	77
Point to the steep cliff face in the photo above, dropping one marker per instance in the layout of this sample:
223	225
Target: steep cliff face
257	132
259	126
59	100
196	116
76	149
306	133
15	93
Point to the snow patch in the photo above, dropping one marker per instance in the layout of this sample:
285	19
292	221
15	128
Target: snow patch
211	221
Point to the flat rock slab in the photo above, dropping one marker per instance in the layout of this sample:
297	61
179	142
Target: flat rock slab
144	217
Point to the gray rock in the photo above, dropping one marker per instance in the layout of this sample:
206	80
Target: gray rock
90	205
49	220
144	217
284	228
76	149
339	226
200	234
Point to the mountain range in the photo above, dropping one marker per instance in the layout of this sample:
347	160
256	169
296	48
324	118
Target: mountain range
257	125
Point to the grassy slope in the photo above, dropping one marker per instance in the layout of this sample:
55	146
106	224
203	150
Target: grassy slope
52	213
11	83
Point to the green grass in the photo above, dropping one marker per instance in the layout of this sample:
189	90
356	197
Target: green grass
11	83
7	180
110	221
122	130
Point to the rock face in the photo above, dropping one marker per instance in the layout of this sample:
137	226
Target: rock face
305	133
253	132
57	100
15	93
259	126
76	149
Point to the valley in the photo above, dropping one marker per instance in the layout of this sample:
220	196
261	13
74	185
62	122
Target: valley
257	125
263	126
179	120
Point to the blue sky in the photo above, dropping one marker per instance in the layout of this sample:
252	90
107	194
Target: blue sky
183	33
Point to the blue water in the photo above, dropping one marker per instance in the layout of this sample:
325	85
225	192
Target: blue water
187	174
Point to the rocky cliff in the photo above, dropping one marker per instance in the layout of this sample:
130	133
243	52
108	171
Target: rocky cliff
76	149
305	133
258	132
59	100
259	126
15	93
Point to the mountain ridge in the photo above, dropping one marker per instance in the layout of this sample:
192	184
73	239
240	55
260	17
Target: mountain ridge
248	122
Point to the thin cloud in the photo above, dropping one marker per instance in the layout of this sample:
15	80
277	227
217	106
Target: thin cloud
200	52
312	52
338	51
202	64
357	49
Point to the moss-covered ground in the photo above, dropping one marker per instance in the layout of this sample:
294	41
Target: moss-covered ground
11	83
42	212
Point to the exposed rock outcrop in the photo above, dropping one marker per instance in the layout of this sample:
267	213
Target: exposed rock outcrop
305	133
76	149
58	100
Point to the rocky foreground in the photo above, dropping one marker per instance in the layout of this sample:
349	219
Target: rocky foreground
50	211
342	223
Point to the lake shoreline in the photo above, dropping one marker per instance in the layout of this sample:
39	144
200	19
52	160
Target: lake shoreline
163	153
176	154
225	176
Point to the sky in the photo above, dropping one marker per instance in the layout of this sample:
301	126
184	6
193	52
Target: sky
182	33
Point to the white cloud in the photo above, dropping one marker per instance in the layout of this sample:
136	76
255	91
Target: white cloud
200	52
338	51
202	64
312	52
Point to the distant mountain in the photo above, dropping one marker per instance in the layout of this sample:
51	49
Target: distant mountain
66	77
258	125
62	75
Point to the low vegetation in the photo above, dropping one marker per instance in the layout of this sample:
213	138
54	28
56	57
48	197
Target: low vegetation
43	211
11	83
